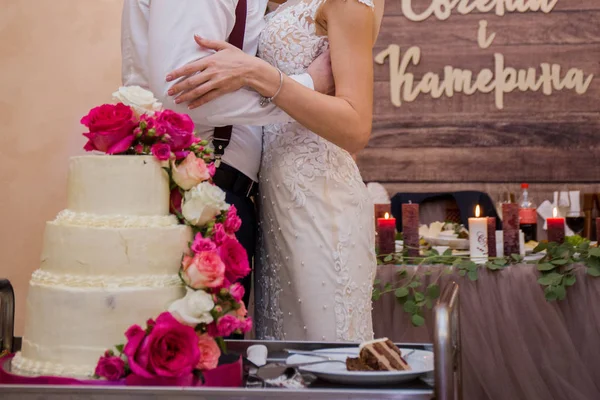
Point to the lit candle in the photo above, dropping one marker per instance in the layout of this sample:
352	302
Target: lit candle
491	236
381	210
510	229
410	228
556	228
478	236
386	234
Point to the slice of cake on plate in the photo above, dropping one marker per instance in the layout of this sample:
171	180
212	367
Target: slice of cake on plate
378	355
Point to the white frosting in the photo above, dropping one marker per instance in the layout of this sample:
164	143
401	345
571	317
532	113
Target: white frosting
68	217
108	262
118	185
25	366
370	342
41	277
113	251
72	327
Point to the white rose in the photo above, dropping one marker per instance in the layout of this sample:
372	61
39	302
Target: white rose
194	308
142	100
202	203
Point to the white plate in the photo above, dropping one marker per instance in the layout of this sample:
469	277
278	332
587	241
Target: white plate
457	244
420	361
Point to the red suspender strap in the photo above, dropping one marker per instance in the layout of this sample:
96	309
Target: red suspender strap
222	134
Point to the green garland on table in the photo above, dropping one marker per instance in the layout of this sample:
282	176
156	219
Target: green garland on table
556	267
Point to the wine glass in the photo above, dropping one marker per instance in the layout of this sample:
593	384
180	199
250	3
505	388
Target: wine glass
564	203
576	221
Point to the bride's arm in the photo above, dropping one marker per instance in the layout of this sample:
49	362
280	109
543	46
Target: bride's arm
344	119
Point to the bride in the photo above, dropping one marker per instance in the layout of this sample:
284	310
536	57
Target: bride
317	261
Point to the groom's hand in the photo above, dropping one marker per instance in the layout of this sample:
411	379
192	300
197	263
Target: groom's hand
322	75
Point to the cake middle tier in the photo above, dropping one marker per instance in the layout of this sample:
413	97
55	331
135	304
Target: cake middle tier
83	250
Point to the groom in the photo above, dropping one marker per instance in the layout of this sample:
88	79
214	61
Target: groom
158	37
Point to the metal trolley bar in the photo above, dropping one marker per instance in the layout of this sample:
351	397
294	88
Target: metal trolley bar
446	345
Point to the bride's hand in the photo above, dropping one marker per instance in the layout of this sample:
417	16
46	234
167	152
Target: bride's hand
210	77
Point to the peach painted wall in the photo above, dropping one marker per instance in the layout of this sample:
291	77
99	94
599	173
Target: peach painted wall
58	58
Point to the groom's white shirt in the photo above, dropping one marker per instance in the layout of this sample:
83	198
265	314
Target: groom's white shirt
158	37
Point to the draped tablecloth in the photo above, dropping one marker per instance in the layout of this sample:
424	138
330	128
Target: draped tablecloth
515	344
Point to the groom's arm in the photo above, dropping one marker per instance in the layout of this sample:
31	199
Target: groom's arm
134	43
208	18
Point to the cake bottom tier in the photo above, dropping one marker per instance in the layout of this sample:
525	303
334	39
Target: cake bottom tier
68	329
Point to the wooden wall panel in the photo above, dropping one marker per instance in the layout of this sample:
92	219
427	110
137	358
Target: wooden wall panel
535	138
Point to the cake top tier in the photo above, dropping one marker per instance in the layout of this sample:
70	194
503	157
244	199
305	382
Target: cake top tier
118	185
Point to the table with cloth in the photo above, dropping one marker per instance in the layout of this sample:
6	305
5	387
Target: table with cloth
515	344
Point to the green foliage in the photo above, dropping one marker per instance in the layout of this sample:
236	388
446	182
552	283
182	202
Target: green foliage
556	269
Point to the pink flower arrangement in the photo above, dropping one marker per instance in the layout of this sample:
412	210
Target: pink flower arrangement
189	337
165	349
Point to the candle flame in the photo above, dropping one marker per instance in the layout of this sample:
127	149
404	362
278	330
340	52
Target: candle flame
387	215
477	211
555	212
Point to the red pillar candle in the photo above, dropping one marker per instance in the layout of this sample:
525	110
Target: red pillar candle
410	228
510	229
386	234
381	210
556	228
491	236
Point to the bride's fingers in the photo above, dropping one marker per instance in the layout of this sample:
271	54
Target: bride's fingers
217	45
213	94
189	83
197	92
187	70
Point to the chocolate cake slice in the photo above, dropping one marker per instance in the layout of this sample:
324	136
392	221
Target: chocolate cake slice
379	355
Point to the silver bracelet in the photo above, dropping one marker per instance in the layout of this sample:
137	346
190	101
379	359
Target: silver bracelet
265	101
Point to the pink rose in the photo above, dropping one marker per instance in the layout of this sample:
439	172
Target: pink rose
161	151
139	149
232	221
219	234
209	353
170	349
237	291
247	325
235	258
203	270
177	129
241	312
175	201
190	172
180	155
225	326
202	244
212	169
110	367
110	128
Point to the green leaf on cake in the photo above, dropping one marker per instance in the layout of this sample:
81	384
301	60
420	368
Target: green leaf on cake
401	292
419	297
595	272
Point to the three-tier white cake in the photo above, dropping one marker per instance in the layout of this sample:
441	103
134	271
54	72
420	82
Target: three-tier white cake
110	260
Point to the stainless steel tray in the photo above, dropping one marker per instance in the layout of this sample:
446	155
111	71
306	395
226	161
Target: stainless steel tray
319	390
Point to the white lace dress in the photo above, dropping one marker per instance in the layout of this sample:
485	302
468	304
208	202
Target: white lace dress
317	260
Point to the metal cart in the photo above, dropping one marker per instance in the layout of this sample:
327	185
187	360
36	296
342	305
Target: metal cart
447	374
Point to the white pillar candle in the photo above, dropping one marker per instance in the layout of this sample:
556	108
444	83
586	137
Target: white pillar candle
478	238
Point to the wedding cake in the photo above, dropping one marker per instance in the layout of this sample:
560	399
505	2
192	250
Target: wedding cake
110	260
